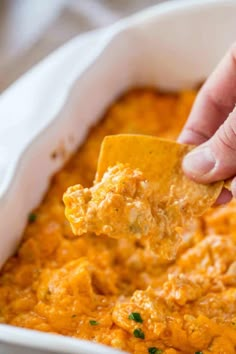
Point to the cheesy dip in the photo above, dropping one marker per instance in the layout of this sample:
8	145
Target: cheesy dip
115	291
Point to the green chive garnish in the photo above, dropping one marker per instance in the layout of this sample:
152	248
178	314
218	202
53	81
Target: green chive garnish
32	217
138	333
135	316
154	350
93	323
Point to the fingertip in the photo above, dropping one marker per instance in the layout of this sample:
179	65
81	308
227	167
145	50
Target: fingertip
186	137
199	163
224	197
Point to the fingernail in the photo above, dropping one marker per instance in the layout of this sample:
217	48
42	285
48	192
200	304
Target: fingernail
199	162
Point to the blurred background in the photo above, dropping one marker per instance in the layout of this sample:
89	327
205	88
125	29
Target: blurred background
31	29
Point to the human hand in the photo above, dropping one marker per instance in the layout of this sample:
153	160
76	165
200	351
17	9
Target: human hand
212	126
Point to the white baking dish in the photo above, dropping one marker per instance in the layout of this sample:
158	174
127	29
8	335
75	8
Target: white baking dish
172	46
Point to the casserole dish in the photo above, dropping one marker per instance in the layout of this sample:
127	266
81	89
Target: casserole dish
47	113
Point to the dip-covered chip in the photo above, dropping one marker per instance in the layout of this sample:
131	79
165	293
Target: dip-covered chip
119	205
160	160
125	203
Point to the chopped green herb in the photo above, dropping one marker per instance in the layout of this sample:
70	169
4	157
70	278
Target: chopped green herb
154	350
135	316
198	352
93	323
73	316
32	217
138	333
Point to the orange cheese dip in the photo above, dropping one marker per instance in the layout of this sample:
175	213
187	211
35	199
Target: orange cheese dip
114	291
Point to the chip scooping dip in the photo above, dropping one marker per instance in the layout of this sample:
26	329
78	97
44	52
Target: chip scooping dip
140	191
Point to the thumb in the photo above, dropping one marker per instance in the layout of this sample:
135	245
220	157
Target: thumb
215	159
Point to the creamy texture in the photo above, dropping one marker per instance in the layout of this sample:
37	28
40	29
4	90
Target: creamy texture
57	283
118	206
126	205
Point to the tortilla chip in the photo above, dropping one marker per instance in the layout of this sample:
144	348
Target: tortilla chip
140	192
160	161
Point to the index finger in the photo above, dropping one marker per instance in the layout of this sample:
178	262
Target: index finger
214	102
